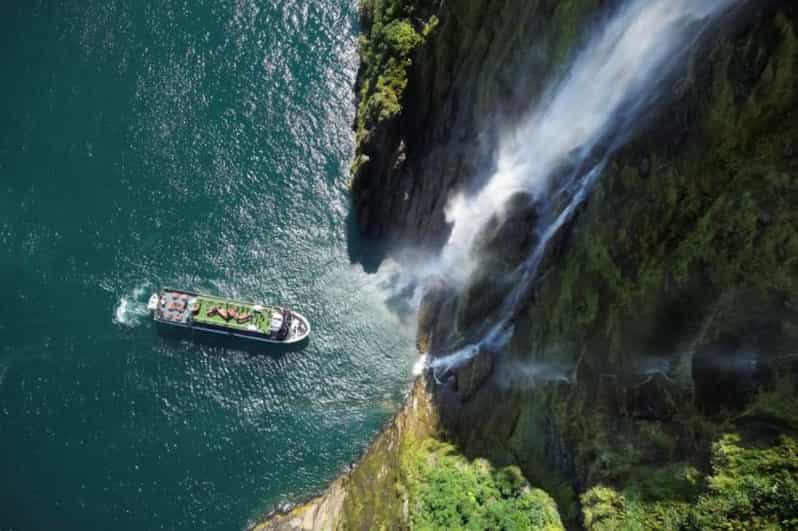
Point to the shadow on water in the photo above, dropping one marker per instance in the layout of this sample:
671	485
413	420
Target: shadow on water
368	252
223	345
400	291
400	298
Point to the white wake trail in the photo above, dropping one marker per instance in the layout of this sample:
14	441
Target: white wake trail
132	307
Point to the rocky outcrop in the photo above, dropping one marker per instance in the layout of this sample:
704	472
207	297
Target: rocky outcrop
367	497
479	65
660	337
670	297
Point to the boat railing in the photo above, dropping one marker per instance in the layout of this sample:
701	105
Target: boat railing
221	299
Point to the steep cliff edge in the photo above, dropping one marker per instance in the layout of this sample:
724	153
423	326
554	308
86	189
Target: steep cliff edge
652	378
367	496
430	100
664	315
408	478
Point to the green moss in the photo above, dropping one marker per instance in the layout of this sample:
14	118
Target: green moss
370	501
374	493
430	26
721	115
606	456
587	308
601	506
778	81
446	491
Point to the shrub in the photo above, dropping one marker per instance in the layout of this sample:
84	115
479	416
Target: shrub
385	53
749	488
446	491
401	37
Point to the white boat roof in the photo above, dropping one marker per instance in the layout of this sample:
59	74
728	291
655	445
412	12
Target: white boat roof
277	321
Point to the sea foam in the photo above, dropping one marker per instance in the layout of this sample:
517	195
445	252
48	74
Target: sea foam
131	308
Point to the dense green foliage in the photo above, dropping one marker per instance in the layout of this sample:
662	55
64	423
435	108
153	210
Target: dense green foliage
749	488
446	491
395	30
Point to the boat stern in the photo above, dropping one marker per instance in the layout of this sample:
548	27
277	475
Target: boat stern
152	304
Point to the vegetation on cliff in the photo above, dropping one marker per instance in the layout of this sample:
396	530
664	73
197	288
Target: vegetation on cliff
672	301
410	479
394	29
446	491
667	309
465	68
712	204
748	488
424	483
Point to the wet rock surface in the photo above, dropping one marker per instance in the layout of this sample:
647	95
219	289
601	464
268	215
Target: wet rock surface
664	312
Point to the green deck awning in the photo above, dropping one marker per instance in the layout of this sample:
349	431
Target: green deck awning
261	320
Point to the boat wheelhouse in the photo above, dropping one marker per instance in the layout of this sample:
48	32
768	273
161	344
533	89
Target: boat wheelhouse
218	315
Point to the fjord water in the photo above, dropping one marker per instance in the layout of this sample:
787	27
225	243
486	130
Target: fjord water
201	144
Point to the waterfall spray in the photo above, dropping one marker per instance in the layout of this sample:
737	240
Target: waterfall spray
588	114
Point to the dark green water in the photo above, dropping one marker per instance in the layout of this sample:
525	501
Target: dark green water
200	144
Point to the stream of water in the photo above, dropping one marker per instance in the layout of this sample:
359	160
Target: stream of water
618	75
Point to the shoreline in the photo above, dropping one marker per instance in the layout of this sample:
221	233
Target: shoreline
324	509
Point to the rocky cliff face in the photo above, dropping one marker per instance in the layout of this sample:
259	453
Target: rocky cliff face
474	64
657	351
367	497
665	314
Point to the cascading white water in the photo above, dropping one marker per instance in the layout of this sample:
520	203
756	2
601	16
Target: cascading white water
586	116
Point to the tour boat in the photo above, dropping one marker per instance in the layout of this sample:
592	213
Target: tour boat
218	315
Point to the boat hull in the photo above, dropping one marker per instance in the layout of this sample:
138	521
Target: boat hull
228	333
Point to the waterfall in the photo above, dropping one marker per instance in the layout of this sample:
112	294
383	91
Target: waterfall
586	115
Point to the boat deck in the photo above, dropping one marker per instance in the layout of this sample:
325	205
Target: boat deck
259	322
189	308
173	307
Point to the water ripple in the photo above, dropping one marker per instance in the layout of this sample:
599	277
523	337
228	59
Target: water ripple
205	144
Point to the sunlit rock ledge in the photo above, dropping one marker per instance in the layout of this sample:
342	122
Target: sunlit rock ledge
366	494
